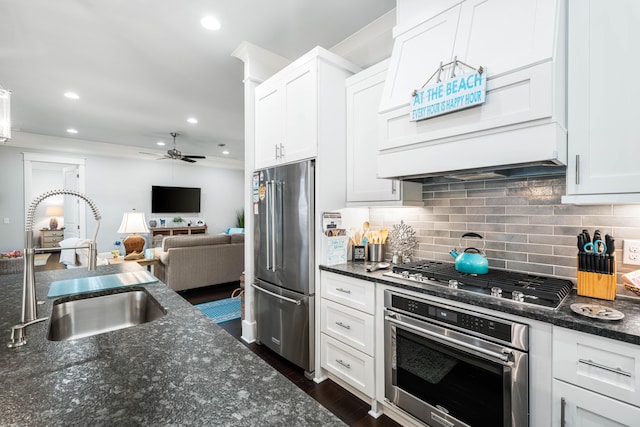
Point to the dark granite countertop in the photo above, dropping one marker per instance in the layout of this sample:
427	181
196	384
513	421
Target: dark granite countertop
626	329
181	369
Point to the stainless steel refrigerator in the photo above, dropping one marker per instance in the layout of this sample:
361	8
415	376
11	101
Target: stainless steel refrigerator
283	198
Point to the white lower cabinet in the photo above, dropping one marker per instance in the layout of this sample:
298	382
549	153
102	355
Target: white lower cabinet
575	406
347	339
596	380
351	366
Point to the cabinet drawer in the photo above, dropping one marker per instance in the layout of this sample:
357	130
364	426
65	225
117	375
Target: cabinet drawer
354	293
579	407
603	365
351	366
350	326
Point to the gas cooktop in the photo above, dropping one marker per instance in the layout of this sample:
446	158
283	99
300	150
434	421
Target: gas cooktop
541	291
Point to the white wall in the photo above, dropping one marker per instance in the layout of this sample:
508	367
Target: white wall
117	185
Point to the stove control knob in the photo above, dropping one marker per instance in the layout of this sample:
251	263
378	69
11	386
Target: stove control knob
405	274
453	284
517	296
496	292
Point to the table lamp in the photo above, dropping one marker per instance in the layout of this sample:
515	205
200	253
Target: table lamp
132	224
53	212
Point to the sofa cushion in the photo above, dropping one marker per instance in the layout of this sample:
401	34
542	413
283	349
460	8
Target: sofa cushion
237	238
197	240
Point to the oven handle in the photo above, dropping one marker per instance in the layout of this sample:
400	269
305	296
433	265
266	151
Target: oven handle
505	357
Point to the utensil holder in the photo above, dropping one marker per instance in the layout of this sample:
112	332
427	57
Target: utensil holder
358	253
597	285
376	252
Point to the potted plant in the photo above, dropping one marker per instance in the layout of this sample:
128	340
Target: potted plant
178	221
240	218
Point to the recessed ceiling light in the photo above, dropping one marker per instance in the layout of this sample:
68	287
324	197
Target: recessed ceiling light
71	130
160	143
71	95
192	120
225	152
210	23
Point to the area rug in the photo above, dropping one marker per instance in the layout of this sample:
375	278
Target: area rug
222	310
41	259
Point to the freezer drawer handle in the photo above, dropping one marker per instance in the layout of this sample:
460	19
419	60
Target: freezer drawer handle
343	325
294	301
606	368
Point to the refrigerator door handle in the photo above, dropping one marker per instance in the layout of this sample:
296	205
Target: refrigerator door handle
268	223
273	294
272	213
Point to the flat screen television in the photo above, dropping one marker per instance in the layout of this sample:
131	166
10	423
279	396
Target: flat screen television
175	199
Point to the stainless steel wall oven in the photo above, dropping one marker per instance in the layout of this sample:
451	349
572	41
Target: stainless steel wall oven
453	367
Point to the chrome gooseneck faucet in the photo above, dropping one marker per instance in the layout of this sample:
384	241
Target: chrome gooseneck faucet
29	315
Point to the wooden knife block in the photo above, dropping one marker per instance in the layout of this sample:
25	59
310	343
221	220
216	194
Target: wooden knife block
597	285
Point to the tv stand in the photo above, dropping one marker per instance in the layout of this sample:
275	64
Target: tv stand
158	233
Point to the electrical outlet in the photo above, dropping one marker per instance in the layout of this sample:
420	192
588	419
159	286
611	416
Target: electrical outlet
631	252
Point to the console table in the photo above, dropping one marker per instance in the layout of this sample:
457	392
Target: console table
158	233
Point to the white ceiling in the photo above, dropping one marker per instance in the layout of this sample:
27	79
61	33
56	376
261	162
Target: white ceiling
142	67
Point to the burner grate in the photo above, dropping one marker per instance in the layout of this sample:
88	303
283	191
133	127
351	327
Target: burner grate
546	288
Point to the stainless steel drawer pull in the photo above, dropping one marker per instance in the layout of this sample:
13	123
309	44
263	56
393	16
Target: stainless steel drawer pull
343	325
345	291
345	364
606	368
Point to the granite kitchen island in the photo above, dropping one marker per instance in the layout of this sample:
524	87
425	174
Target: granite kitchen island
181	369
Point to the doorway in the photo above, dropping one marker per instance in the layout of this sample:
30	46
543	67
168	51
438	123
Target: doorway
44	172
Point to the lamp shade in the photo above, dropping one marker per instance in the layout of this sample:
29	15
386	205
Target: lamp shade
54	211
133	222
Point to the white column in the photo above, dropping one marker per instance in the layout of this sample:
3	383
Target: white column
259	64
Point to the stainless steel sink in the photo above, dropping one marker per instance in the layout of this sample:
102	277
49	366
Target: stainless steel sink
96	313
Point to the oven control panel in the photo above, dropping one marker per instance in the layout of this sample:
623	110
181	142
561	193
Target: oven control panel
480	324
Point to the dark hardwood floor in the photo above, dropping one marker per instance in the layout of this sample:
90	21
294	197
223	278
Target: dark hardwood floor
340	402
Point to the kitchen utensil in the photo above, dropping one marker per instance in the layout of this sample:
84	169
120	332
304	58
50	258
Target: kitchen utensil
365	228
384	233
471	260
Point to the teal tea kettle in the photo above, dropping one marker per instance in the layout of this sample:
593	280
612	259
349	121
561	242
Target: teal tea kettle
471	260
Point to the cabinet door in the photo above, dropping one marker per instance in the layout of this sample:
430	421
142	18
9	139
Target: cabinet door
301	113
269	124
575	406
363	100
603	120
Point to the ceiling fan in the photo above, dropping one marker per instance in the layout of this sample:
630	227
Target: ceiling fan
175	154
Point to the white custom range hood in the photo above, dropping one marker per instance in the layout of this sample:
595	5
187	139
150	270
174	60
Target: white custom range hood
520	128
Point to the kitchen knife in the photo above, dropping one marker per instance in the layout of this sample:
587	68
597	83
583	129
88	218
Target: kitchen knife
611	259
581	257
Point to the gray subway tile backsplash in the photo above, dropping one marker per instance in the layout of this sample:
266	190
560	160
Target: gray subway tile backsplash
525	226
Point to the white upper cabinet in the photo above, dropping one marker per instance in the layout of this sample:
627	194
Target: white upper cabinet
603	124
519	44
291	105
364	91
